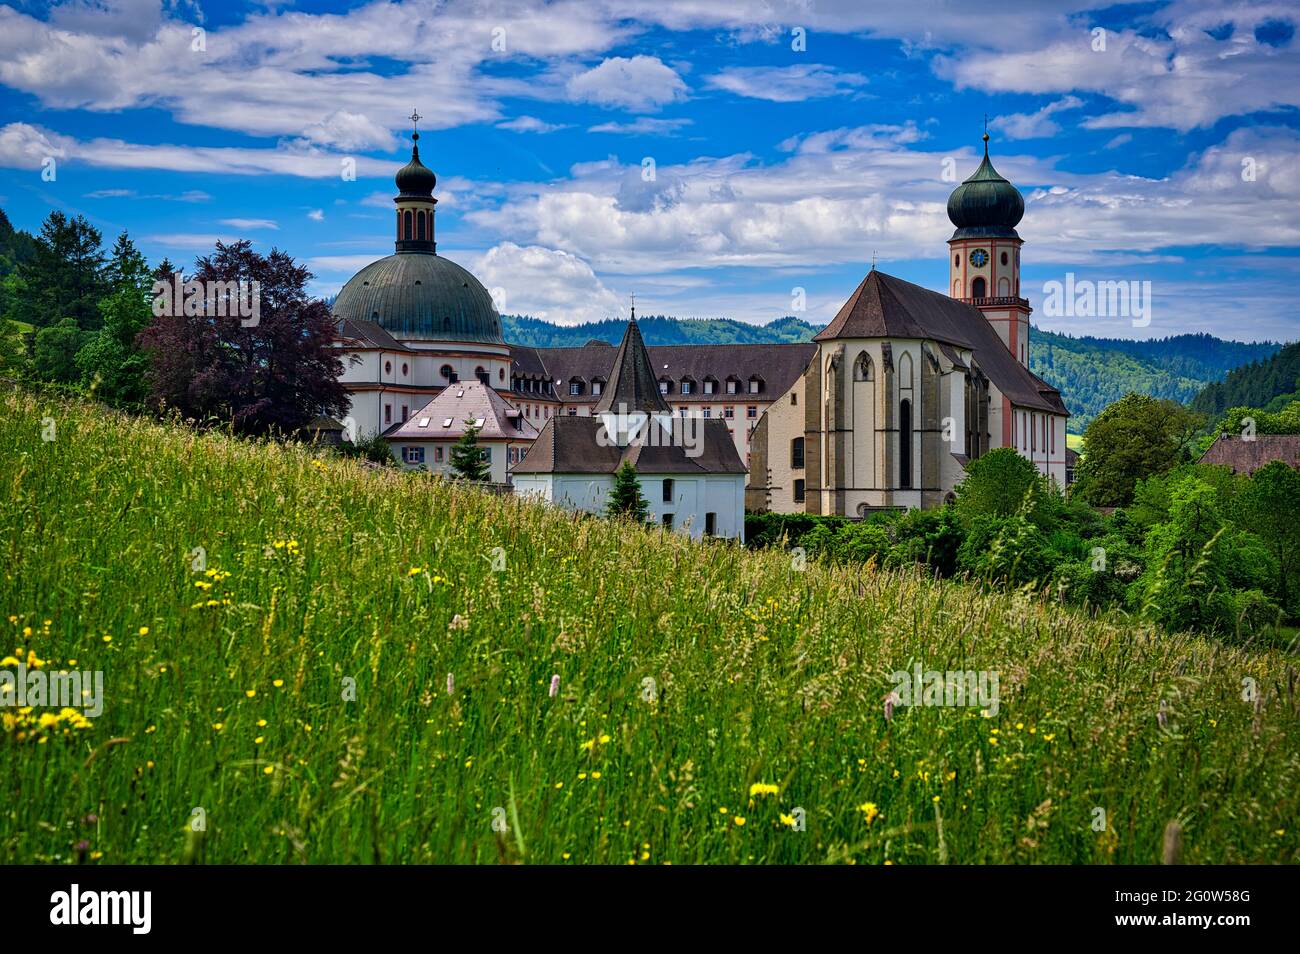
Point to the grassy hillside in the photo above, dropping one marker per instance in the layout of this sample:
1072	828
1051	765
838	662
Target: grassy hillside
227	687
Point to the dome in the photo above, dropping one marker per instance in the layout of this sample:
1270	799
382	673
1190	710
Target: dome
415	178
415	295
986	205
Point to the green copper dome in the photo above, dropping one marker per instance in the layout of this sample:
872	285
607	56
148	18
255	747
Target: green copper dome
421	295
415	178
986	205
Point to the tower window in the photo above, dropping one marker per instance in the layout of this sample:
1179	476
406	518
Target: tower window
978	288
406	226
1004	258
956	261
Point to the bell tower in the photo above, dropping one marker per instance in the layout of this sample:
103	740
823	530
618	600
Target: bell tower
984	253
415	201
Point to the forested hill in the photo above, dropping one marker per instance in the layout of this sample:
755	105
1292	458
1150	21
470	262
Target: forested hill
1261	383
1094	372
1091	372
657	330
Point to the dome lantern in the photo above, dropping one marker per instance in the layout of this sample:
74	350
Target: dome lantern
415	201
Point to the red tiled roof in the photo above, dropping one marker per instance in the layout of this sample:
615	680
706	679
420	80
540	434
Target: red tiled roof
1247	456
444	417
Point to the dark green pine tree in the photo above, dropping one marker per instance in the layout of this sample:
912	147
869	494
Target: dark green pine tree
467	460
625	498
64	278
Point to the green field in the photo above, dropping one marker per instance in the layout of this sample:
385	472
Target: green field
688	674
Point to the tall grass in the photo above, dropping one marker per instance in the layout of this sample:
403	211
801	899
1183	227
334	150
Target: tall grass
688	673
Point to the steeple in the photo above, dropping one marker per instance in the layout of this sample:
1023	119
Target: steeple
415	201
632	385
986	205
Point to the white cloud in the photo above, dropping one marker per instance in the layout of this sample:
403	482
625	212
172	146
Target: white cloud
316	215
1035	125
834	200
191	239
348	131
786	84
640	83
531	124
24	146
251	223
642	126
546	283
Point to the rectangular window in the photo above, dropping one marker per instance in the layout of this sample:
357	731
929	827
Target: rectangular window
485	454
388	414
708	412
710	524
404	413
731	387
575	388
414	455
1053	437
751	412
798	491
753	387
796	454
687	387
728	412
596	387
663	387
437	453
668	521
668	490
573	412
1033	435
708	387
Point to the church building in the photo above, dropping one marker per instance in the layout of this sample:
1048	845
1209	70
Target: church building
882	410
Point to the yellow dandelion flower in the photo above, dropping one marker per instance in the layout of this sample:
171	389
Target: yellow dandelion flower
259	740
763	788
277	683
270	769
218	726
250	693
739	821
870	811
144	630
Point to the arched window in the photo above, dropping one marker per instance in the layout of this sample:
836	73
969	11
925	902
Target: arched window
905	444
419	225
905	370
406	219
481	373
862	369
796	454
956	261
977	288
1004	258
448	372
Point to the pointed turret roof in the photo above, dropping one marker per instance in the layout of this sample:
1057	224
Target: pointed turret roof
632	385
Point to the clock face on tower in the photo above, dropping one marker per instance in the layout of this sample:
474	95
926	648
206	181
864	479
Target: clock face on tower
979	258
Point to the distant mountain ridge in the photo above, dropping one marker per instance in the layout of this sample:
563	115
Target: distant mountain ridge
1091	372
1266	383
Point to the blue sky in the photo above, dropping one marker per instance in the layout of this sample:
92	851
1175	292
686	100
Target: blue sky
790	142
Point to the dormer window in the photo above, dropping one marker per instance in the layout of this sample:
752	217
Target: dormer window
733	386
575	387
688	386
755	384
665	386
597	386
710	386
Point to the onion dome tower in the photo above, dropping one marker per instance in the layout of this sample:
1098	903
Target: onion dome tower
984	252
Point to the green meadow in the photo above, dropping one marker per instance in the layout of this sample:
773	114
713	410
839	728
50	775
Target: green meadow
310	661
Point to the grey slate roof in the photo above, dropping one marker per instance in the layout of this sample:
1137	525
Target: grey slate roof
632	384
883	306
1246	457
465	400
420	295
570	445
